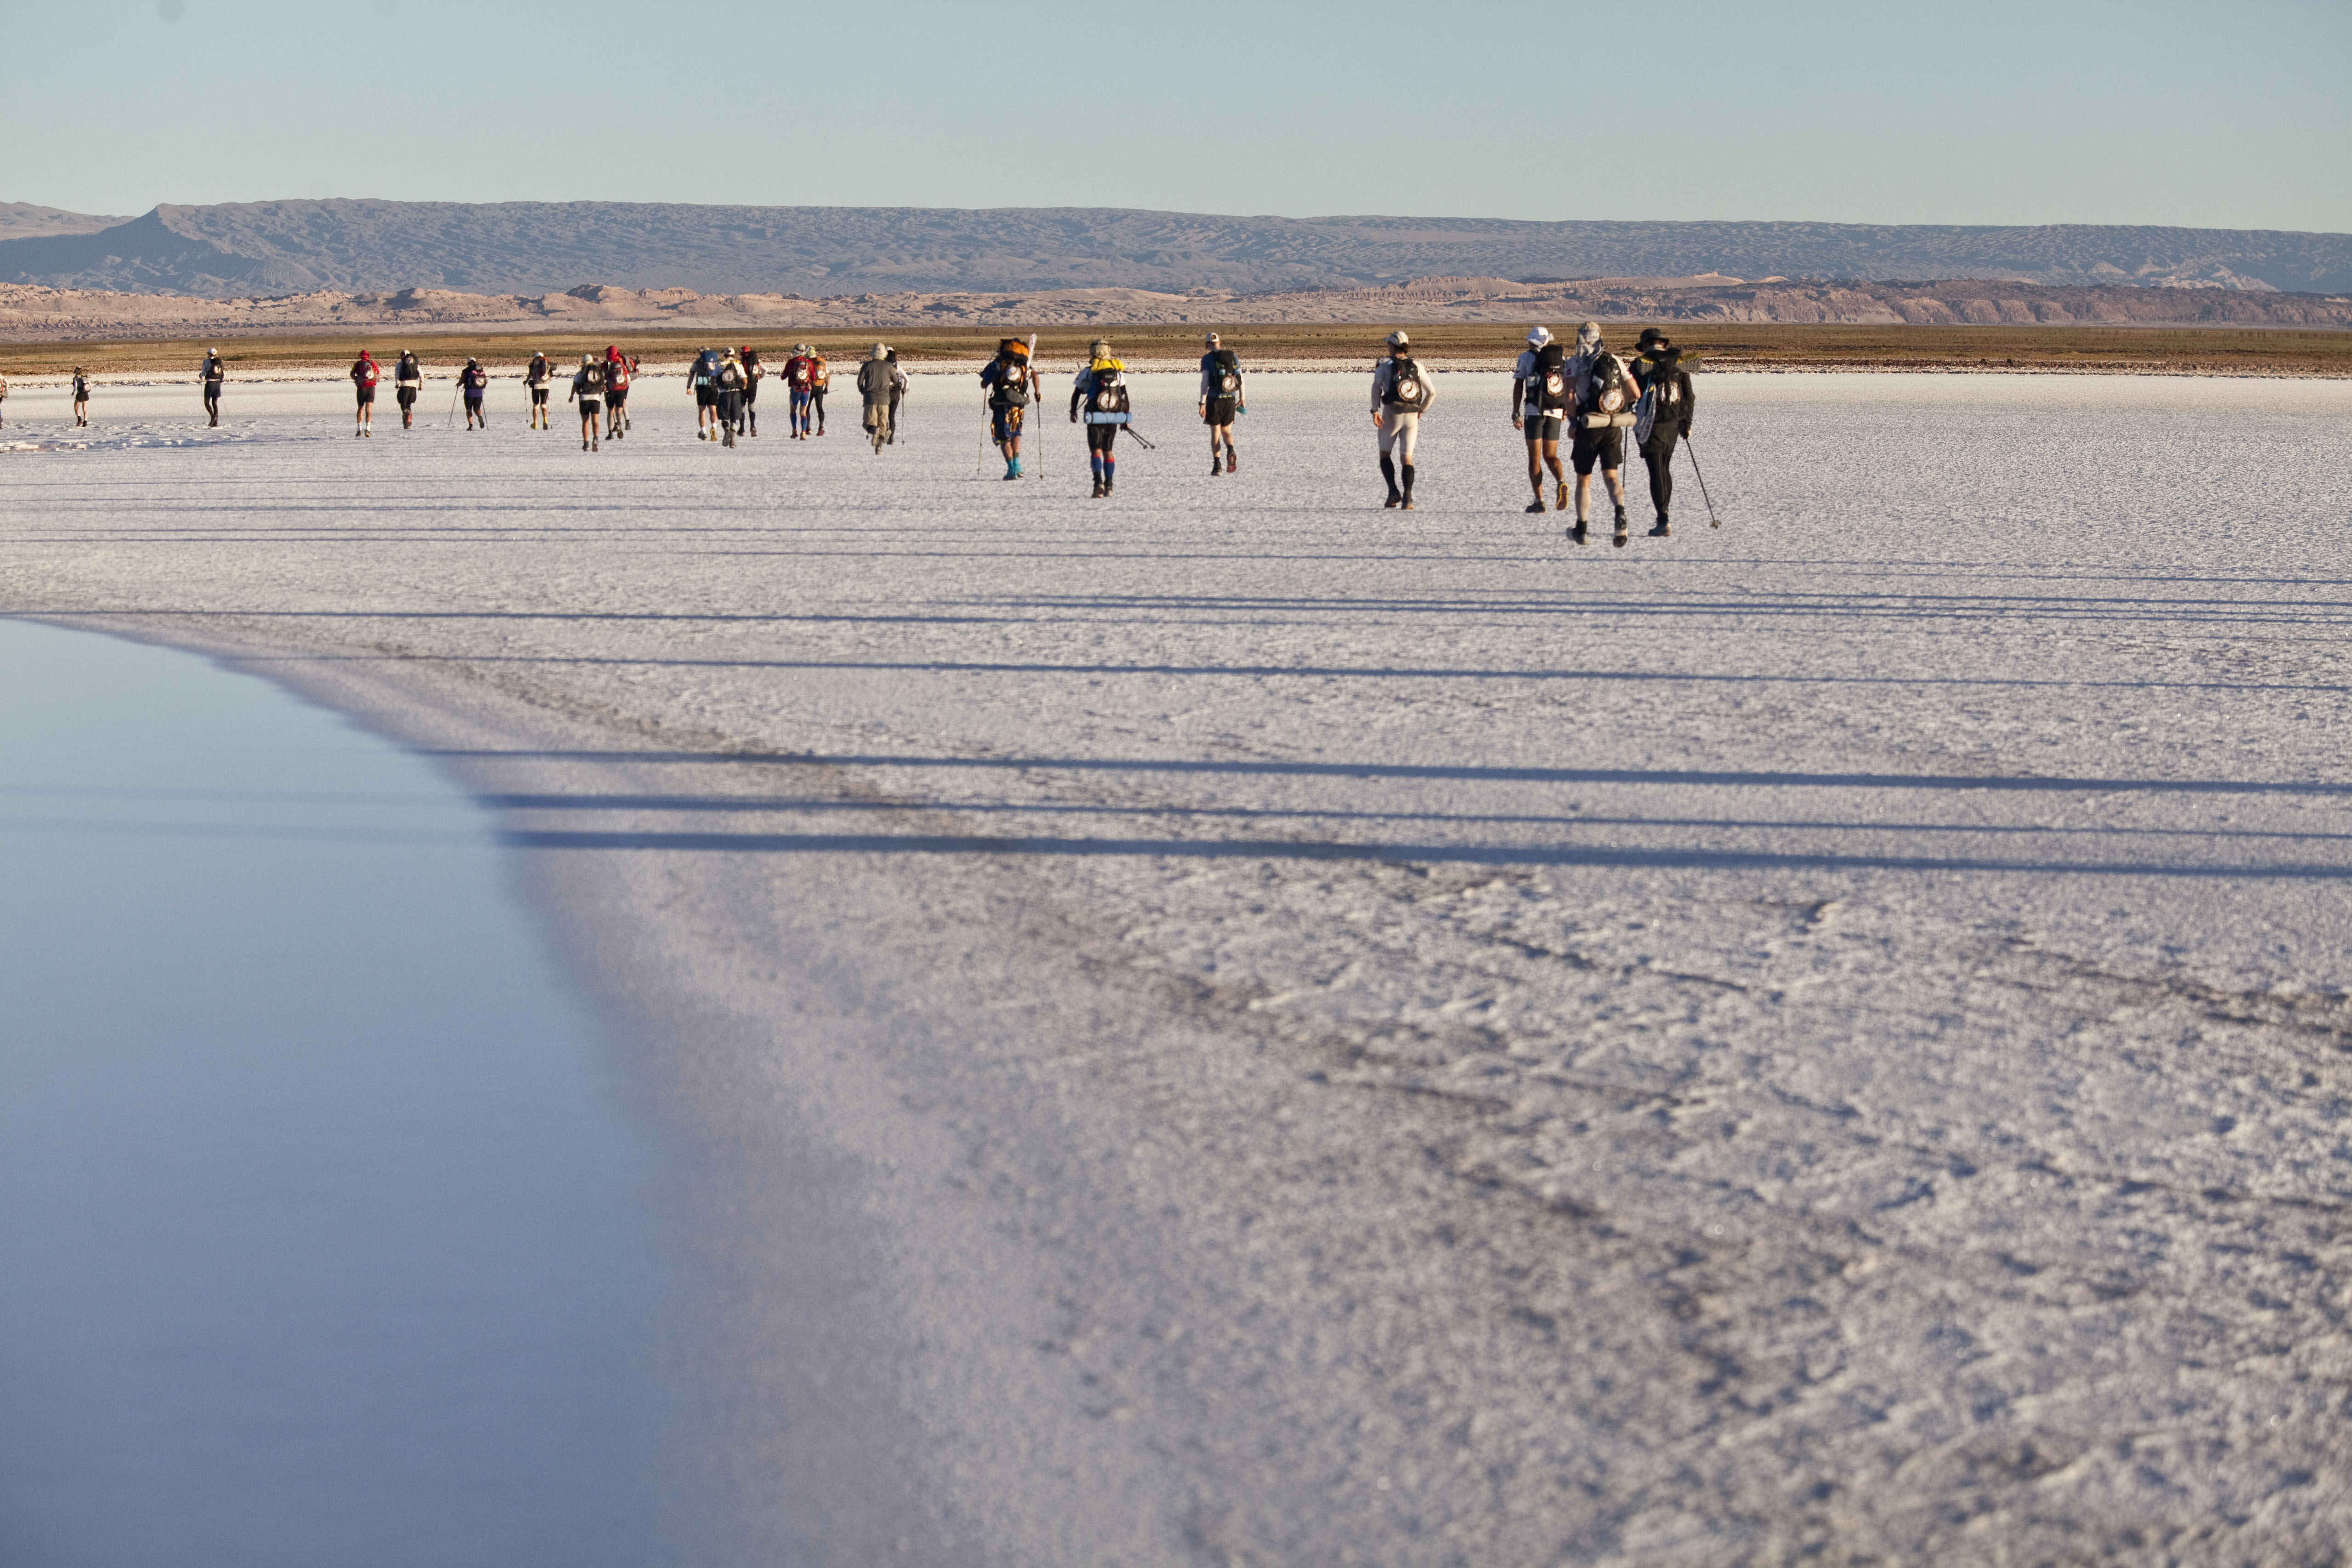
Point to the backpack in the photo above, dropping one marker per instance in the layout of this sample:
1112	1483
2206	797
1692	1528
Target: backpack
364	373
616	374
1663	395
1224	374
1607	390
731	376
1013	379
1407	390
799	371
1108	404
1547	388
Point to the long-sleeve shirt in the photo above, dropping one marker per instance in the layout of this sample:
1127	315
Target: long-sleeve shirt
215	368
878	378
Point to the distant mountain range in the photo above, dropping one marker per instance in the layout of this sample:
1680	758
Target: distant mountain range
533	247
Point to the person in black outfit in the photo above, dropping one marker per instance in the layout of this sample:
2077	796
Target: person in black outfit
1657	371
216	373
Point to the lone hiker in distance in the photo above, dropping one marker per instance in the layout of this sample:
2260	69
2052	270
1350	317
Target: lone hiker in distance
1400	396
1542	400
216	373
1221	399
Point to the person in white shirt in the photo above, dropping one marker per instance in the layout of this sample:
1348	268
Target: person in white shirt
1400	396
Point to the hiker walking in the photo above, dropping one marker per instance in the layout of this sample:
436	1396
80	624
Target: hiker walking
1542	401
407	381
588	391
820	378
364	375
704	378
1400	396
1007	382
800	382
538	376
1100	392
1604	409
1662	418
880	382
216	373
729	379
619	371
474	381
753	373
898	391
1221	399
4	402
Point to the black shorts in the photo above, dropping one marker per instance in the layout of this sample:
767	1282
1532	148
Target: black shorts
1220	413
705	397
404	395
590	408
751	393
1006	421
539	398
211	390
1543	426
1604	448
367	395
615	396
473	401
1100	437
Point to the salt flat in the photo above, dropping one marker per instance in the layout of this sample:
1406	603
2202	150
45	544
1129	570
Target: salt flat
1231	1026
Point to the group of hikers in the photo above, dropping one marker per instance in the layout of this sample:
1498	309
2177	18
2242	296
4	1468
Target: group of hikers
1582	392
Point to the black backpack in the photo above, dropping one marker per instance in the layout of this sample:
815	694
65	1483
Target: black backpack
1110	393
1407	388
1225	374
1547	388
1608	390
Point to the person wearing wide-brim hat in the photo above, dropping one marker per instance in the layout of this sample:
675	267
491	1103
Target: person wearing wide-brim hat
1662	418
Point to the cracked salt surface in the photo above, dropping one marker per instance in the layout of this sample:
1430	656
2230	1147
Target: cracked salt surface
1231	1026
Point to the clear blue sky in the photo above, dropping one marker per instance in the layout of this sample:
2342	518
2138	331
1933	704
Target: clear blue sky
2223	115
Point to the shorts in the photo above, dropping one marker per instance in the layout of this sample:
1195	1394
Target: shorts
367	395
590	408
1540	427
1400	429
705	397
1606	448
473	399
751	393
1006	422
614	397
539	398
1220	413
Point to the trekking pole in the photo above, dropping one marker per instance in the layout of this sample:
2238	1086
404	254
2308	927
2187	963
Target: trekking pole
1139	440
1712	521
453	405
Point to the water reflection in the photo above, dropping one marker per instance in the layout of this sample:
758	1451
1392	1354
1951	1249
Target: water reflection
321	1238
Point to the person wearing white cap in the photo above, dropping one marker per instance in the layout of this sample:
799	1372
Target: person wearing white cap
1542	401
1221	399
1400	396
878	380
216	373
588	391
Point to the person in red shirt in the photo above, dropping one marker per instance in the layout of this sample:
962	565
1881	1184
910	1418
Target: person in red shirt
364	375
619	371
